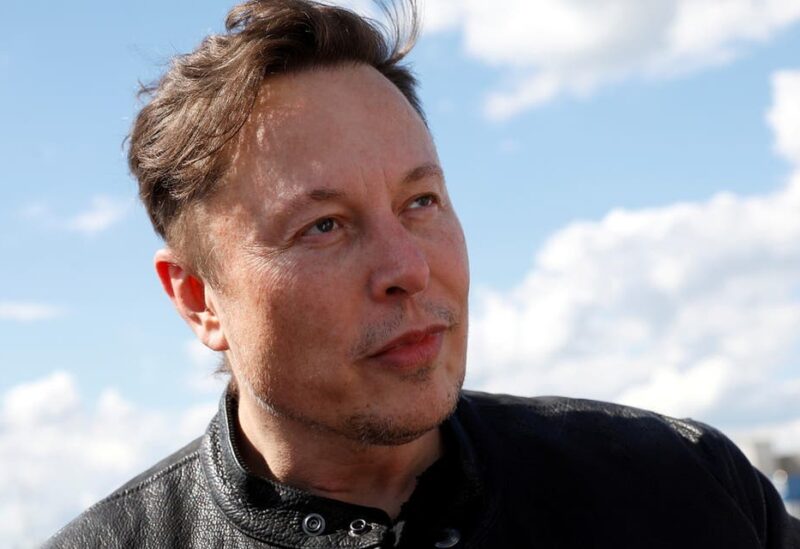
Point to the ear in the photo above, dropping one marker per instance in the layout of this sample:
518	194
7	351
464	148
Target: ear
192	299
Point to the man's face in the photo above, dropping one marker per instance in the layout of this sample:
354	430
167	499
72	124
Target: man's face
342	267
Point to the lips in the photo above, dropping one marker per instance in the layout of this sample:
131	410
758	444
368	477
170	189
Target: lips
412	349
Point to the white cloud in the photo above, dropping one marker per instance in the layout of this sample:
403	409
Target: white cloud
689	309
556	47
439	15
60	452
780	437
28	312
40	401
784	116
103	213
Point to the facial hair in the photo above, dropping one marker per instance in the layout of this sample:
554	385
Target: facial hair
370	427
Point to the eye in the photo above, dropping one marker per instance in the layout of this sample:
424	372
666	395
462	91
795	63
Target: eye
322	226
423	201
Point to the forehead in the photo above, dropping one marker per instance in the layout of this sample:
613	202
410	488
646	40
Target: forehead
324	123
347	129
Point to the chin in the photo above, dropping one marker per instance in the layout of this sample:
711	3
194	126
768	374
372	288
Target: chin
389	415
378	430
415	417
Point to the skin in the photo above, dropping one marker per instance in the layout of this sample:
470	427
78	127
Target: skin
341	299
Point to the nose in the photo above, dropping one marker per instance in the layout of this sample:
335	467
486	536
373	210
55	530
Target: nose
400	266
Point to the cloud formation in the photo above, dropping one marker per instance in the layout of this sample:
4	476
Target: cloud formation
61	453
552	48
20	311
784	116
690	309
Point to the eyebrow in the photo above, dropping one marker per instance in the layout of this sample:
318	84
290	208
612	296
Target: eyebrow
418	173
421	172
321	195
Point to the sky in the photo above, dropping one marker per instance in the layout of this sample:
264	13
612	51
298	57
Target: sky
627	174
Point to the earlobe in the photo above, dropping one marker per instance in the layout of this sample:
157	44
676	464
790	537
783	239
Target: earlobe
191	298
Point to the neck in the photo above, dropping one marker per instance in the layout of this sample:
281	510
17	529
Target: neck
330	465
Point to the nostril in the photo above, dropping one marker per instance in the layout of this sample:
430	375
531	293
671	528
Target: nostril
394	290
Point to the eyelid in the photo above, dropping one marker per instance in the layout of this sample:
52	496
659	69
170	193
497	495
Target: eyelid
435	200
305	231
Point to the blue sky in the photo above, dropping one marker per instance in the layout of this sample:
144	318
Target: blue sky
653	131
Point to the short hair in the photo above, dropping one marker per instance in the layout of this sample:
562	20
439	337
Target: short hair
177	146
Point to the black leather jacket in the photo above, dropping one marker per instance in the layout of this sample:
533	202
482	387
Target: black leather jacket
518	473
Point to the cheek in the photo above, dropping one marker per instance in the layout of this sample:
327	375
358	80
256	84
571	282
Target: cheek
310	345
252	311
305	311
450	258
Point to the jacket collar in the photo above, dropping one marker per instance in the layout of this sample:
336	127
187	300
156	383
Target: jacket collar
279	514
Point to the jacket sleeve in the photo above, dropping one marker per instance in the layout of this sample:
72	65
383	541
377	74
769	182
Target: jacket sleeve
754	494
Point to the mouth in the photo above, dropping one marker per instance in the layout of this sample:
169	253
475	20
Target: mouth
412	349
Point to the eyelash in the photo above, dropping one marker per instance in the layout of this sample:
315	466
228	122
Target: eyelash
431	199
319	222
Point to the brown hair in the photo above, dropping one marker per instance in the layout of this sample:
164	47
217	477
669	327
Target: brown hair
178	141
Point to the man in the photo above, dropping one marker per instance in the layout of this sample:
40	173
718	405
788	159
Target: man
310	238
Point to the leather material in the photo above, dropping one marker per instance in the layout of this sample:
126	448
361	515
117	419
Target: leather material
541	472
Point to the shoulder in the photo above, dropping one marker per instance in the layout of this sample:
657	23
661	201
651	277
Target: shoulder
609	433
119	520
552	417
626	454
